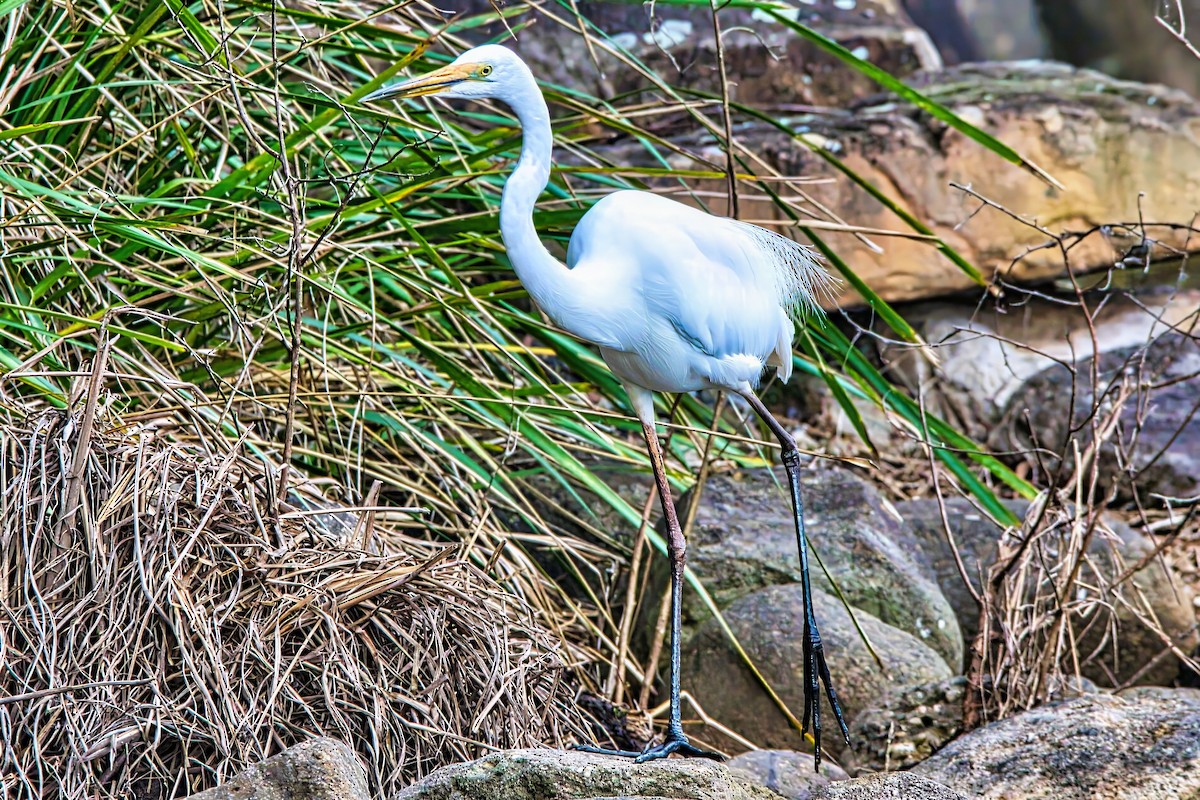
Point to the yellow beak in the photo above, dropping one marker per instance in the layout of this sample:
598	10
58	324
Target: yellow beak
436	81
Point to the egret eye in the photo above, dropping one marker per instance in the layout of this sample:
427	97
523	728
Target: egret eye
485	70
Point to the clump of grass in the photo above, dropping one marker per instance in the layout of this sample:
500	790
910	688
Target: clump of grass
163	628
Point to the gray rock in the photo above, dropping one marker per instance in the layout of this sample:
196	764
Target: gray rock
1123	39
786	772
907	727
1137	644
1163	693
1093	747
923	538
769	625
981	30
319	769
744	539
975	537
572	775
1156	450
988	353
888	786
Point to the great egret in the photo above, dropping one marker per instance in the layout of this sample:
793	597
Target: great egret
676	299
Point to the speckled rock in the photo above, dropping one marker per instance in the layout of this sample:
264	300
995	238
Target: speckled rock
1093	747
786	772
975	537
744	539
906	727
769	624
572	775
888	786
319	769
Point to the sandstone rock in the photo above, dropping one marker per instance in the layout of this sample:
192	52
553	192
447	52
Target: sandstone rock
786	772
908	726
572	775
769	624
1094	747
744	539
319	769
888	786
1077	124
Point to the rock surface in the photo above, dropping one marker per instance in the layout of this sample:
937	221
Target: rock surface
888	786
769	625
786	772
1137	644
907	727
1093	747
1123	39
976	536
766	63
572	775
743	539
1158	447
989	351
319	769
1076	124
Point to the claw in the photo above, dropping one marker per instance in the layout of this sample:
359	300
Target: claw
816	673
675	743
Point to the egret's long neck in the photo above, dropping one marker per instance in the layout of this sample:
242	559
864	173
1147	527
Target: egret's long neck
546	279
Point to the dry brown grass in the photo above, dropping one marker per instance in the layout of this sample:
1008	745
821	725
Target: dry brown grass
172	626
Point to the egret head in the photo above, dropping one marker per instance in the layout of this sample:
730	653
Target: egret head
488	71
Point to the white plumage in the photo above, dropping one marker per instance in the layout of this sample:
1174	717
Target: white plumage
676	299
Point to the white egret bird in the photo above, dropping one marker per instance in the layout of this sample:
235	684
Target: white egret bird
677	300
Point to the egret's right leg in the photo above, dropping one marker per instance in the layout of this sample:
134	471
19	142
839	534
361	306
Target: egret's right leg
676	740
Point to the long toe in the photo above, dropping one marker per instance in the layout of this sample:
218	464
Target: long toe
831	693
605	751
678	745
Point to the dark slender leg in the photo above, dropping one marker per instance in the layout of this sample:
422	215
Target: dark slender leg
815	667
676	741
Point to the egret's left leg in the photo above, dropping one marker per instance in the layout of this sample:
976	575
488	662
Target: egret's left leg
676	740
816	671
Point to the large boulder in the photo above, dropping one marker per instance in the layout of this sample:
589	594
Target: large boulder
769	625
975	536
319	769
1111	661
988	352
1093	747
573	775
743	539
766	63
1076	124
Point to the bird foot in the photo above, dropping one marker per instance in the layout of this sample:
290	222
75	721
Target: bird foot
816	673
675	743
